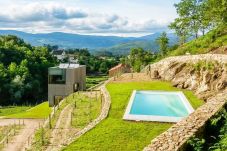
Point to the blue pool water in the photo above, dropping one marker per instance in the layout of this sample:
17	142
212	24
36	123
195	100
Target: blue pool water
158	104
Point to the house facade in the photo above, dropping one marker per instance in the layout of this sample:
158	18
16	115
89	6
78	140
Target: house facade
59	54
64	80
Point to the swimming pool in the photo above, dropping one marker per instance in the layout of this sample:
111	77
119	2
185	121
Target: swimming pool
159	106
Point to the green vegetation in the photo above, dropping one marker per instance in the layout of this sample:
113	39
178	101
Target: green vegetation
114	133
163	43
42	135
40	111
198	16
138	58
86	107
215	134
94	80
94	64
4	111
3	131
23	71
8	132
210	66
204	44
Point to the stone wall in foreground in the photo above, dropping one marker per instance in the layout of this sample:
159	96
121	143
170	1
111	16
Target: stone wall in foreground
209	85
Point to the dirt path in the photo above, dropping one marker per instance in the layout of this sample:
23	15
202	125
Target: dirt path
20	141
62	130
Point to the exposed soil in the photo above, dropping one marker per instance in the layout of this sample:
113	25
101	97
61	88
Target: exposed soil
21	141
63	129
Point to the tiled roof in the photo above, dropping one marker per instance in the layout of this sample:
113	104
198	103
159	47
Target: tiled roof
118	66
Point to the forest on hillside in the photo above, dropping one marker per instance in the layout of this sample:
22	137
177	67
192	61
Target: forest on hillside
23	71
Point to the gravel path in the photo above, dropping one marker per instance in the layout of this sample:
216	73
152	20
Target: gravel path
20	141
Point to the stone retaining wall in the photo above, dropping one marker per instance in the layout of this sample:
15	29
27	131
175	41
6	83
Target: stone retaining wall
104	113
174	69
176	137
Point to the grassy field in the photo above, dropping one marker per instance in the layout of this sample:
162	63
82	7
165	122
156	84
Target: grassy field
4	111
94	80
40	111
87	109
114	133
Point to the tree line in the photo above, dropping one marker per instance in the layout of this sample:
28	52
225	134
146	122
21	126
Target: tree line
94	64
23	71
198	17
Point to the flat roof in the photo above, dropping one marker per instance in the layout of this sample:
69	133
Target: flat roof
67	65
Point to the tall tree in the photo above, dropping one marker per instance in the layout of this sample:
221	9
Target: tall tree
198	16
188	11
138	58
163	43
216	11
181	29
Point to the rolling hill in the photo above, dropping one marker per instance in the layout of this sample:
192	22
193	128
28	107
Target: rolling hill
113	44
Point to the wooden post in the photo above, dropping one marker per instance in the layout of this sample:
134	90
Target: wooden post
91	93
7	139
58	104
101	99
42	136
89	111
50	121
54	111
28	140
71	118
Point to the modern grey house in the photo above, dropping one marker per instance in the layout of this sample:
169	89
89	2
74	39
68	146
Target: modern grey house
64	80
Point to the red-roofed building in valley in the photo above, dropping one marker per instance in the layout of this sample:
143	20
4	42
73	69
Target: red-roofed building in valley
119	69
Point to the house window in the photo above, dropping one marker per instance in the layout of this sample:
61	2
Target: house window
56	76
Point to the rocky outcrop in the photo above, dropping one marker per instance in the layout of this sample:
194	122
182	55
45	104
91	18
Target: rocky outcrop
206	75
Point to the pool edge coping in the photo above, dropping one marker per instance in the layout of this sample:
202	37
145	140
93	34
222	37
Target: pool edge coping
154	118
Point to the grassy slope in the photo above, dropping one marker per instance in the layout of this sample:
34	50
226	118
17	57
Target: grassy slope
87	109
40	111
94	80
204	44
81	117
116	134
13	110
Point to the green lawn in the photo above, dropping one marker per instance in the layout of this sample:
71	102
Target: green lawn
40	111
94	80
4	111
114	133
87	109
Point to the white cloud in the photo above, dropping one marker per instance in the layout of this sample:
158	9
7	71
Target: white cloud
37	17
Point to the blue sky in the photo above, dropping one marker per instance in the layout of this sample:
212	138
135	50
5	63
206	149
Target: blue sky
95	17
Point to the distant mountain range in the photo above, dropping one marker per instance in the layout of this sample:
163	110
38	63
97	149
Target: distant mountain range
113	44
